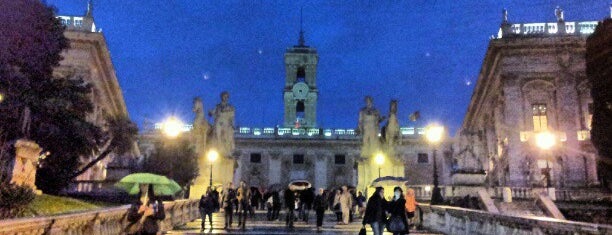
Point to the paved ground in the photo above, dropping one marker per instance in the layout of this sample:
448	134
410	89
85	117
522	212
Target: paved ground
259	225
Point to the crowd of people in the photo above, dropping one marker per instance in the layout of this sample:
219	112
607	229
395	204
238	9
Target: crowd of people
344	202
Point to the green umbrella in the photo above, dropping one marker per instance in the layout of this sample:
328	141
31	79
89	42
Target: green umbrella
161	184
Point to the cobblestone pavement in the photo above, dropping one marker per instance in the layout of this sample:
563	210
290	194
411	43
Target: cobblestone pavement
259	225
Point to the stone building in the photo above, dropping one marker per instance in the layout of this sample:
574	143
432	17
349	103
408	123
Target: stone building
88	57
532	81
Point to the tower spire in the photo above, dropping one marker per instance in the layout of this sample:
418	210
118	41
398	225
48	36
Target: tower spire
301	41
89	8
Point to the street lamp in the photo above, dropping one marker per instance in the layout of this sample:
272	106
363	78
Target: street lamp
212	156
380	159
172	127
434	134
545	141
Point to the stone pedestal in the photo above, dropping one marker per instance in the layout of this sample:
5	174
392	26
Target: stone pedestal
26	160
551	194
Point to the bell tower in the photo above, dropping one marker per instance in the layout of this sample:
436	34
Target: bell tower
300	92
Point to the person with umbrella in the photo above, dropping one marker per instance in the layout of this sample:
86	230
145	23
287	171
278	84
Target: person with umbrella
145	213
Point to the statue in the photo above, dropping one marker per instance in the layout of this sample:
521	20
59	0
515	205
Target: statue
505	15
200	126
25	122
369	119
559	13
392	130
223	127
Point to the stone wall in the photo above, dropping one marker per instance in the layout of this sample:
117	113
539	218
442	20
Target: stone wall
454	220
103	221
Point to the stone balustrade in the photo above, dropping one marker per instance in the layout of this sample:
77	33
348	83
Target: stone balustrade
551	28
423	192
560	194
102	221
455	220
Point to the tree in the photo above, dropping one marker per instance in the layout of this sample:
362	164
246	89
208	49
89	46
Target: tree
599	72
175	159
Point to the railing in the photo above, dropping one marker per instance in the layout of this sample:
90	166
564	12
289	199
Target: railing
569	28
455	220
579	194
423	192
103	221
324	133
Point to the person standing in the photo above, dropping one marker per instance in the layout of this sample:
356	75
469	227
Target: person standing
244	202
375	211
276	205
307	199
346	201
229	198
397	207
215	196
207	207
337	208
360	204
144	215
270	207
290	205
410	205
319	207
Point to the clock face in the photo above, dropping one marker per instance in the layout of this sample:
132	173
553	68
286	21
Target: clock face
300	90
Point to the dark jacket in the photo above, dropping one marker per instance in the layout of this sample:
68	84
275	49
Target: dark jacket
319	203
375	210
150	223
207	204
289	199
398	208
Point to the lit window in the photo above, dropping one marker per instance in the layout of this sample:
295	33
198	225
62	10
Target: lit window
583	135
540	122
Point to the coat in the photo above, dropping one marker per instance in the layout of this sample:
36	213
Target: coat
319	203
150	224
207	204
398	208
375	210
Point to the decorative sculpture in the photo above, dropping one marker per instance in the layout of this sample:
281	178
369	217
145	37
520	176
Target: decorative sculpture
223	127
200	127
392	130
369	120
559	14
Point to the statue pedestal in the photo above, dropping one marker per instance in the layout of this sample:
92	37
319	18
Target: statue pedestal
24	169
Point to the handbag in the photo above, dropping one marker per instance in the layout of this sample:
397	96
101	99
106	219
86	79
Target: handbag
396	224
363	230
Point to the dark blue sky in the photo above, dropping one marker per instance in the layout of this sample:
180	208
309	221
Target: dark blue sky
425	53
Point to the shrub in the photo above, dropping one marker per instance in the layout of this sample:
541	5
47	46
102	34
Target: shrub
14	199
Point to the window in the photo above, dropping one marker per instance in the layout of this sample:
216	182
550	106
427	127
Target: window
301	74
298	158
422	158
340	159
540	123
256	157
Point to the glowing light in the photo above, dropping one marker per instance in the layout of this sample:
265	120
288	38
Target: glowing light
434	133
172	127
1	97
212	155
379	158
545	140
427	188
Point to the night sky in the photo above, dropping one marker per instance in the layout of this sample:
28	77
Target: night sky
425	53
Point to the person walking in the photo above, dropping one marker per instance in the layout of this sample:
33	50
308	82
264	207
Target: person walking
307	198
319	207
337	208
207	207
290	205
410	205
145	213
397	207
375	211
346	201
276	207
270	206
360	204
229	198
243	195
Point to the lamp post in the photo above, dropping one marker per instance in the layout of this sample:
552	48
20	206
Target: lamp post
545	141
434	133
380	159
212	156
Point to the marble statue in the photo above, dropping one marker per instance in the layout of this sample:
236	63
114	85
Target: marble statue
369	120
559	13
223	127
392	130
200	126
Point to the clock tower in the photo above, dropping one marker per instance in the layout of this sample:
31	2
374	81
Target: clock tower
300	92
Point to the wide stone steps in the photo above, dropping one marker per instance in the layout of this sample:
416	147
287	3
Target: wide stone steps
258	224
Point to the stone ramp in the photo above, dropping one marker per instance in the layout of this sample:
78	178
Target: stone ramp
519	208
259	225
